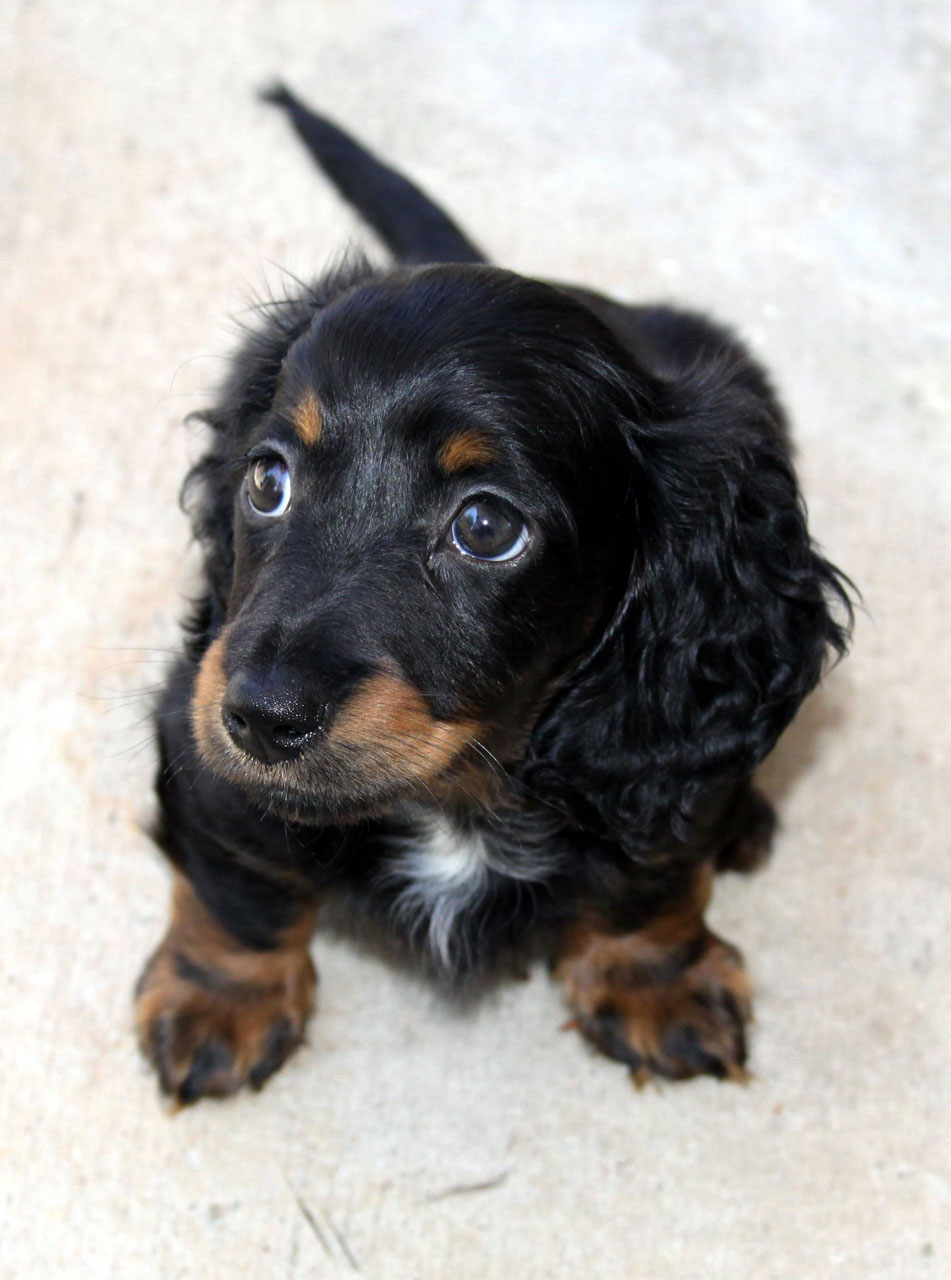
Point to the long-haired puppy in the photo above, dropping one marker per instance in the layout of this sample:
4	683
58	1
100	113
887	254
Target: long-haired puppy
507	590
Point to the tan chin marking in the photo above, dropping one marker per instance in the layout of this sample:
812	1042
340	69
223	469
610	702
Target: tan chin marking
209	690
306	419
464	450
389	720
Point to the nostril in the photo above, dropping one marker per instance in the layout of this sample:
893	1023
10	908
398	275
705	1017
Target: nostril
234	723
288	734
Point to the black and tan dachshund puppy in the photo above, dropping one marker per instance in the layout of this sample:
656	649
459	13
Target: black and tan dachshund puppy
507	590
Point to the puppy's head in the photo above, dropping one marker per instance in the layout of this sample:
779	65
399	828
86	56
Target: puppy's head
422	517
453	526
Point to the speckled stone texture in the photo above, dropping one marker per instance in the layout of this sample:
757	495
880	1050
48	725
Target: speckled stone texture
786	166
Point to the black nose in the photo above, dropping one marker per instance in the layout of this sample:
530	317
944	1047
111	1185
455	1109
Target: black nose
267	718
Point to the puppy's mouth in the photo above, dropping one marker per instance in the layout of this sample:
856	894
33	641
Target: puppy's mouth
307	810
383	746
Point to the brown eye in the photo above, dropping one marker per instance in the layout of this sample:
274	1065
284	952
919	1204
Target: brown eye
269	486
489	528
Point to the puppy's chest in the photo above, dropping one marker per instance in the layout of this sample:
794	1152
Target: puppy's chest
451	884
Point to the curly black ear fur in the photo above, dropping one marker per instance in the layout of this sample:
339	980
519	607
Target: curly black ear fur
248	393
724	626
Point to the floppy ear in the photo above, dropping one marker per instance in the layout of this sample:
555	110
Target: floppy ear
723	628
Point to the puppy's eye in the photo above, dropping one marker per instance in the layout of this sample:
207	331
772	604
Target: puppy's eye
269	486
489	528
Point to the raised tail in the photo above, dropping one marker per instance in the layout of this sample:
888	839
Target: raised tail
413	228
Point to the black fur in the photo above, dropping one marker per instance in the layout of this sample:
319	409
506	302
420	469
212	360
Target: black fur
629	671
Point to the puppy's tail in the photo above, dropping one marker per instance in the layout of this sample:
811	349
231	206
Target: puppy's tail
413	228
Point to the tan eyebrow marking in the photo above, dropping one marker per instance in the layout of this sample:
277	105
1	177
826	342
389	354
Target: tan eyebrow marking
465	449
305	417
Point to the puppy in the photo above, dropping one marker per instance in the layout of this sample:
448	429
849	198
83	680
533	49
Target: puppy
507	590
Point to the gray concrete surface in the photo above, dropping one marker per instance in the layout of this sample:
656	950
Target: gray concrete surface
786	166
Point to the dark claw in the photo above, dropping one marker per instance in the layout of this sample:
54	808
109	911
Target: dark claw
281	1040
212	1059
684	1055
605	1030
161	1038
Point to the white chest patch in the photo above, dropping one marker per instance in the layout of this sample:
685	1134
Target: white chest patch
445	872
442	875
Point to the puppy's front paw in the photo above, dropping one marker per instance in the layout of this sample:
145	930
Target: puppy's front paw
208	1031
214	1014
675	1015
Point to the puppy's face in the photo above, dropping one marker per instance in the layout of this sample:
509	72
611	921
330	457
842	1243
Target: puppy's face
429	531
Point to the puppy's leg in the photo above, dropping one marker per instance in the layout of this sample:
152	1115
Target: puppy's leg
214	1013
670	999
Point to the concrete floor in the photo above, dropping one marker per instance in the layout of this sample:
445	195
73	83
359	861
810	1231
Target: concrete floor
787	167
